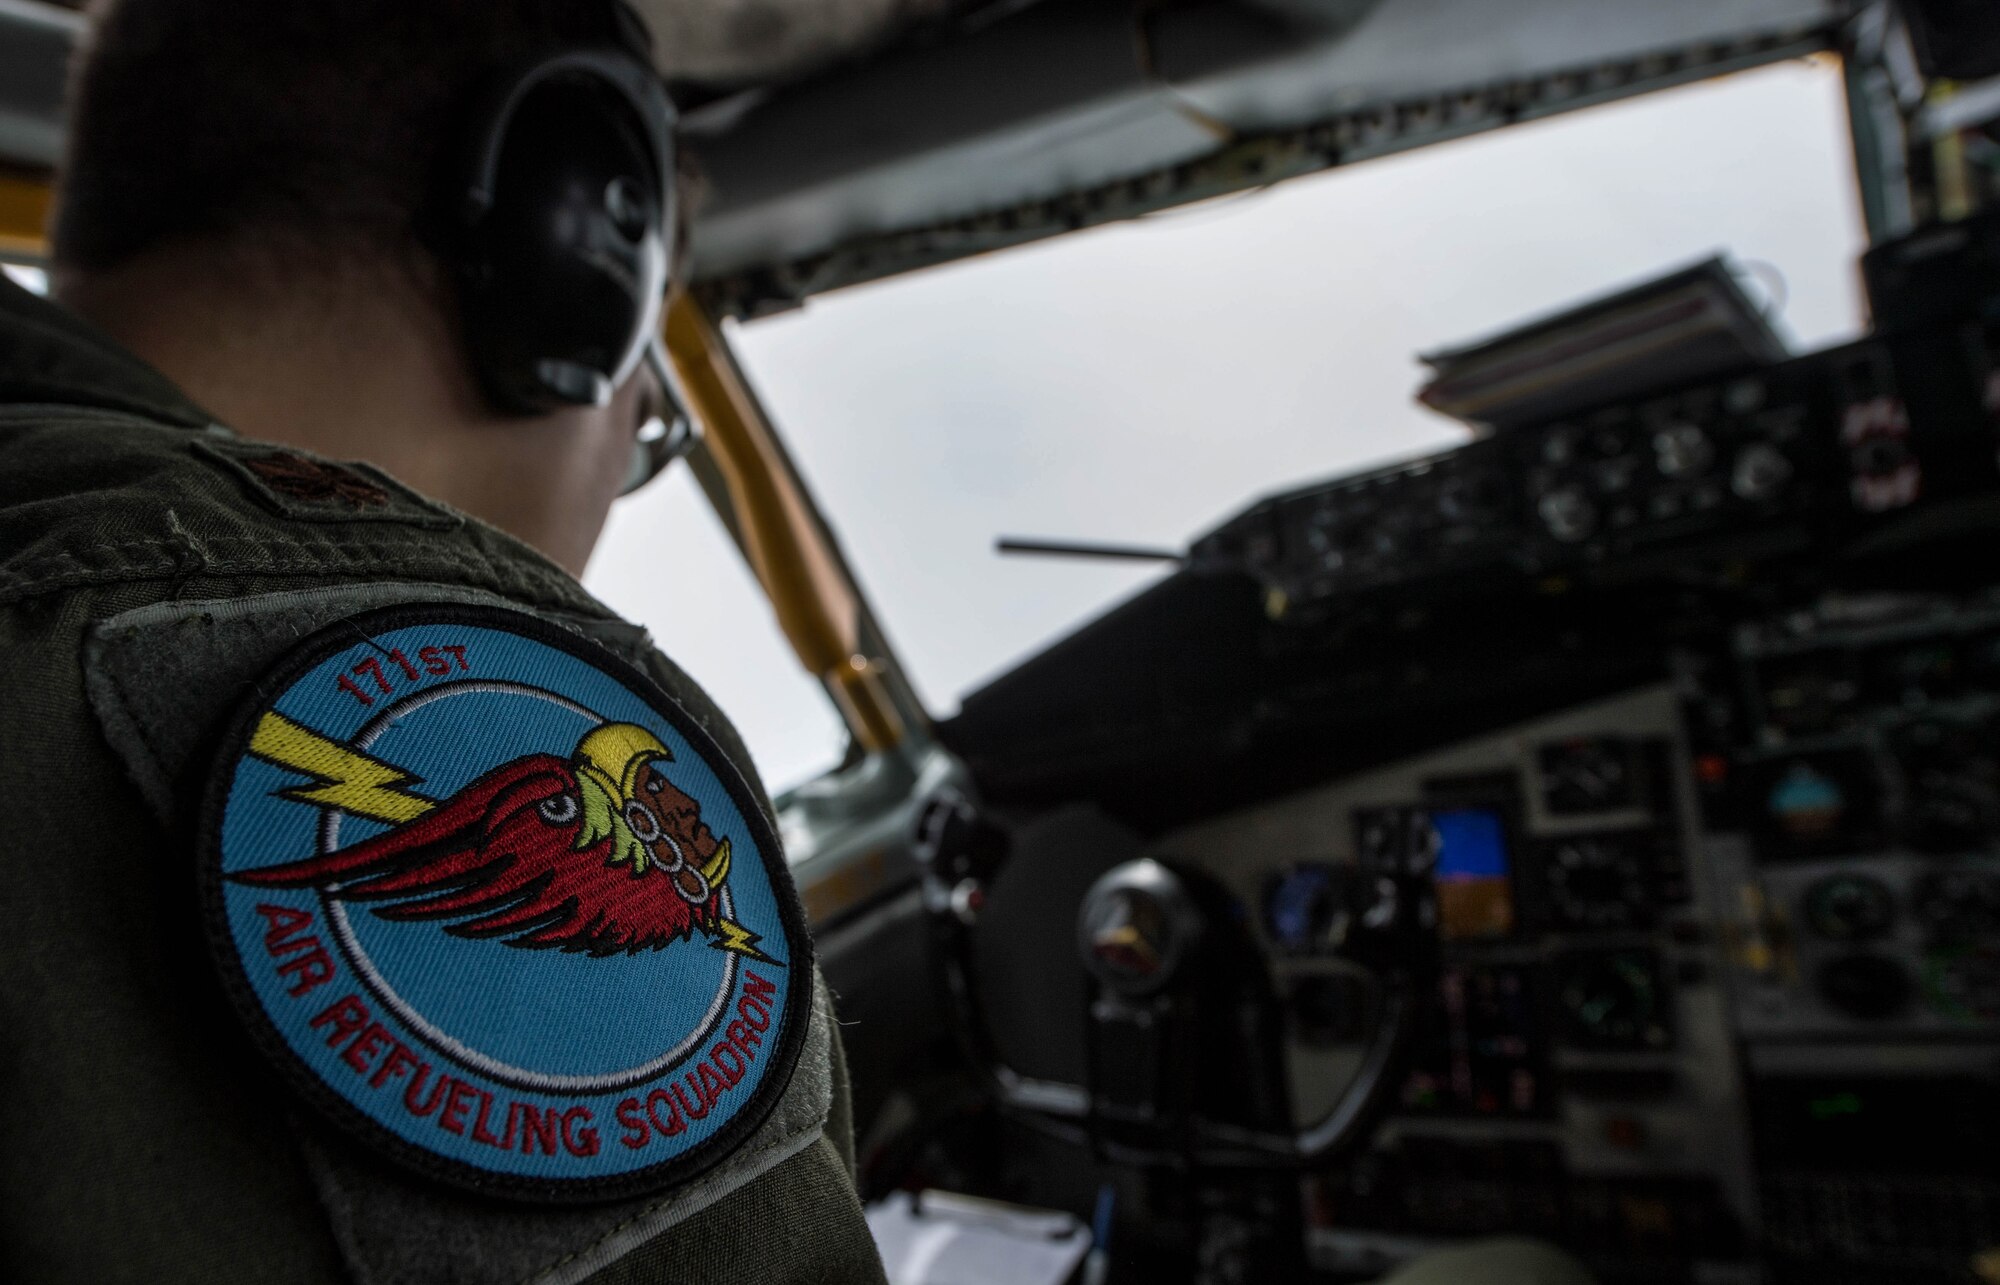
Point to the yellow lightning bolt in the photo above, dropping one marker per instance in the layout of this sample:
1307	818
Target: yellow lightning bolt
735	937
347	779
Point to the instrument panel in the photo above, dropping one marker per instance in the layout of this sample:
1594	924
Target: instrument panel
1685	712
1860	776
1775	459
1579	1039
1674	926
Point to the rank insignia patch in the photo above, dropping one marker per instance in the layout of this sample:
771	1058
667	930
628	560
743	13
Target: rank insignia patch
495	902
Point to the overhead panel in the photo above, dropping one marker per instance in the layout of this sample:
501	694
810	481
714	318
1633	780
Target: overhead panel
992	124
1065	115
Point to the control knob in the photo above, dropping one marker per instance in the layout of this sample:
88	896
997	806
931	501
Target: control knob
1682	450
1323	538
1568	514
1760	472
1465	499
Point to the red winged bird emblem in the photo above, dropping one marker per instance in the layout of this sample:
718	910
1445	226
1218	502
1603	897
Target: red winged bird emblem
600	854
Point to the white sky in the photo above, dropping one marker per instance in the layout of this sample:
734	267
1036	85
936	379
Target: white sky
1140	382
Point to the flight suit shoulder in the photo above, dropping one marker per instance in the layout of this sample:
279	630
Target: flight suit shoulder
361	669
93	497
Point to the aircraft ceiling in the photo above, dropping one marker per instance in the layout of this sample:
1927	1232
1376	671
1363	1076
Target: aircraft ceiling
850	139
1076	112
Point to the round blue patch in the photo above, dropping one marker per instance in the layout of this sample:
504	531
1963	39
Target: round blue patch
494	900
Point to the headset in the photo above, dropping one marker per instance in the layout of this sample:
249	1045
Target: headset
557	217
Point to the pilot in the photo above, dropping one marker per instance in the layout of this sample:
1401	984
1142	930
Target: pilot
328	952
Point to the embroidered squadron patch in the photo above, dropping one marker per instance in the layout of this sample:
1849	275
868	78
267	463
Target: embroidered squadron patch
494	901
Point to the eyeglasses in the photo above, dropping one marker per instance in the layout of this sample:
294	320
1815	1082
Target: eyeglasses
664	438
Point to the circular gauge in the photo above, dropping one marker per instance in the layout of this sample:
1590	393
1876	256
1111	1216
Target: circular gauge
1614	1000
1850	907
1950	814
1597	881
1960	904
1591	774
1952	779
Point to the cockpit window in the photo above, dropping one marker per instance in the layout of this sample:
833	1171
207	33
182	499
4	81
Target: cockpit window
666	562
1138	383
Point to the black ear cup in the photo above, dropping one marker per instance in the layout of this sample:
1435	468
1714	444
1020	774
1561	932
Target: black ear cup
561	225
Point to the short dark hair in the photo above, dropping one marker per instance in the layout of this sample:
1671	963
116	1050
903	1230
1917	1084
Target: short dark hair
315	124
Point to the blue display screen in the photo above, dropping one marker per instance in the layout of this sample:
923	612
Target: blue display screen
1471	844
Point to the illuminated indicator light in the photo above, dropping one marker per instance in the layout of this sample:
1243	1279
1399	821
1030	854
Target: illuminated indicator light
1711	769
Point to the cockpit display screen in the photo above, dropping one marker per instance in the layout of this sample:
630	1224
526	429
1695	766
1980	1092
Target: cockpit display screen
1816	804
1471	873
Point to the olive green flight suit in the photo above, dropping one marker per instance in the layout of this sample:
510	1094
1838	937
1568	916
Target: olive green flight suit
144	1138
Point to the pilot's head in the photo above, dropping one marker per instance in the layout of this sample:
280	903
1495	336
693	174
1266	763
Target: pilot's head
434	234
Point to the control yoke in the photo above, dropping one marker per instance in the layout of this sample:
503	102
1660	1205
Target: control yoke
1161	948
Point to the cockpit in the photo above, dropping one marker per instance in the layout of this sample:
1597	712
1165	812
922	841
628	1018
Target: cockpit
1570	814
